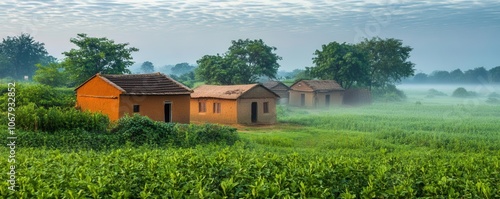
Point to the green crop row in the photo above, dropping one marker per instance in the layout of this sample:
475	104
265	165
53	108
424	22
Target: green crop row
238	172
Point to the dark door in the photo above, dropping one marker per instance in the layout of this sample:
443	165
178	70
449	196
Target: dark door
327	100
302	99
168	112
254	112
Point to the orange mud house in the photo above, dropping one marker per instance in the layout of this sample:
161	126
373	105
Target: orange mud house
233	104
154	95
316	93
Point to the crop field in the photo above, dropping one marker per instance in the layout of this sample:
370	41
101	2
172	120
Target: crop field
438	147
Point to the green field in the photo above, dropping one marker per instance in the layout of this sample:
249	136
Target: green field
440	147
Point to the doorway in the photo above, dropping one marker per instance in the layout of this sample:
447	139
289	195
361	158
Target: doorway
254	112
327	100
302	99
168	111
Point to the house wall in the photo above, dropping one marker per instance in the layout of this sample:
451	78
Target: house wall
98	95
153	106
295	99
228	114
245	111
336	98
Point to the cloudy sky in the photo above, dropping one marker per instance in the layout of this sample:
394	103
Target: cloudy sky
445	34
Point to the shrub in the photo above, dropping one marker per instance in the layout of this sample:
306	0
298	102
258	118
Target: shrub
140	130
41	95
462	92
388	93
35	118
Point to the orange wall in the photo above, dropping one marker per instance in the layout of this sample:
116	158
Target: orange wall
153	106
228	113
98	96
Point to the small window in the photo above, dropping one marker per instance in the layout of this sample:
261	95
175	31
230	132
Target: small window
216	107
136	108
202	108
266	107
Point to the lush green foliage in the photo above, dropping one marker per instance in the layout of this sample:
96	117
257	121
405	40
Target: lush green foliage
389	93
475	76
462	92
35	118
344	63
142	130
51	74
41	95
19	54
244	62
96	55
147	67
396	150
374	62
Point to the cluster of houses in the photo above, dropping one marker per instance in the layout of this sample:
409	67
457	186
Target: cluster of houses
163	99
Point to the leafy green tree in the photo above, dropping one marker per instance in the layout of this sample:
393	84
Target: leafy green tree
476	75
147	67
420	78
440	76
344	63
51	74
387	60
243	63
19	54
97	55
457	76
182	68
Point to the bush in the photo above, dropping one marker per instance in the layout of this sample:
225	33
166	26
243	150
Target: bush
141	130
494	94
388	94
35	118
463	93
41	95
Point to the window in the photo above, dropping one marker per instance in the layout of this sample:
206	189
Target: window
266	107
216	107
136	108
202	108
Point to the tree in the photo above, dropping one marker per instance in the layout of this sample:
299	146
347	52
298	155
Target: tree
495	74
344	63
476	75
18	56
97	55
420	78
51	74
387	60
440	76
457	76
243	63
147	67
182	68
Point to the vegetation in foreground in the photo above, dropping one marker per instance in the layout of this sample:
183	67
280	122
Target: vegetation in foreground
397	150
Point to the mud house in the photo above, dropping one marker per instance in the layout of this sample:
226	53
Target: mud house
280	89
233	104
316	93
154	95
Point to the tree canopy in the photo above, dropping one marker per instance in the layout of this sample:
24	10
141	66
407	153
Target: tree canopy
147	67
19	54
344	63
97	55
182	68
373	63
243	63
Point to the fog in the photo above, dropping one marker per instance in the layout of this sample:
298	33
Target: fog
480	89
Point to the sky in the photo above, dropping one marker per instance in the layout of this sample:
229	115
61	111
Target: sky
444	35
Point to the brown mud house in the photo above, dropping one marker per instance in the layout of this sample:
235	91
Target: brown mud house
316	93
233	104
154	95
280	89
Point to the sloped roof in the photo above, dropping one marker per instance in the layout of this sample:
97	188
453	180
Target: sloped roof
224	92
272	84
321	85
144	84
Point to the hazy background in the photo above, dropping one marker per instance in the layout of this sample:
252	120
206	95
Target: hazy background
445	34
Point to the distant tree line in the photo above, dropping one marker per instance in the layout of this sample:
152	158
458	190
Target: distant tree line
478	75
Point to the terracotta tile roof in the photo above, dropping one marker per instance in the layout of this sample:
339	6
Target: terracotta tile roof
223	92
146	84
322	85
